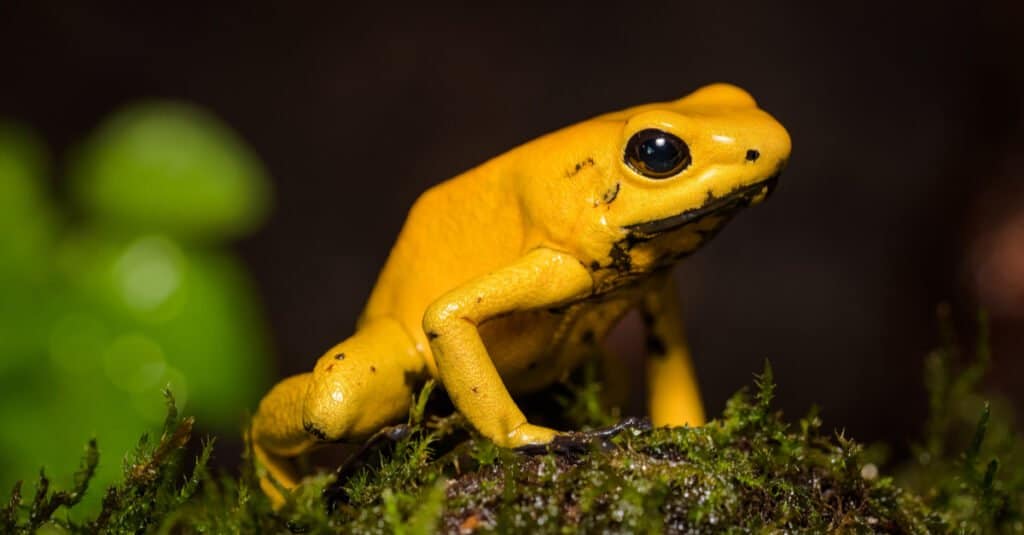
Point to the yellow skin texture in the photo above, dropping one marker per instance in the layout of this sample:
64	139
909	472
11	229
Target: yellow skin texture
505	277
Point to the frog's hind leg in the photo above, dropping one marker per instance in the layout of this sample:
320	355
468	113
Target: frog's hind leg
277	434
674	397
356	388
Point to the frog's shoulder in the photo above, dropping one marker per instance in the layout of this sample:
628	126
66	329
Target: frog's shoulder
455	208
462	228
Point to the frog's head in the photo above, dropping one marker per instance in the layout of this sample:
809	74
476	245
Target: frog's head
703	155
664	177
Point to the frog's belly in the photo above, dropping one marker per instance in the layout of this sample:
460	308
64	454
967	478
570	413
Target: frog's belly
535	348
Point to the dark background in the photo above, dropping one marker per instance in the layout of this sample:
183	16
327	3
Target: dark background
906	124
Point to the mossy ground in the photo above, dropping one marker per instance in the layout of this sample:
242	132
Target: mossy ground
747	471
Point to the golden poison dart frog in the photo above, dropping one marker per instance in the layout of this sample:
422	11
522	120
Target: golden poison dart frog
504	278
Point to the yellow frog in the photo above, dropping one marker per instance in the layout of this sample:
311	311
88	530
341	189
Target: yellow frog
507	276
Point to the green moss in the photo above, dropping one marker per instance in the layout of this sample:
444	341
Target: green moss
969	465
748	471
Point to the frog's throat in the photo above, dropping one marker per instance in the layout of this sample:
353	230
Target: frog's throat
730	202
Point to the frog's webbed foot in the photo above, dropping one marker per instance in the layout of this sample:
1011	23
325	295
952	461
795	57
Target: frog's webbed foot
334	493
577	442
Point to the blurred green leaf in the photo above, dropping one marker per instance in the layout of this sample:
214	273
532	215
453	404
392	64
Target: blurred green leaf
171	167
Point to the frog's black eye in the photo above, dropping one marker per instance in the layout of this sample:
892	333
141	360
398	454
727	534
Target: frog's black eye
657	154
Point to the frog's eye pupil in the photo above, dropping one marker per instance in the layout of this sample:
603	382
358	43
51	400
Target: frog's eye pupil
657	154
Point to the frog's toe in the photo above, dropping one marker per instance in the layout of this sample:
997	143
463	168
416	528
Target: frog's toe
562	445
578	442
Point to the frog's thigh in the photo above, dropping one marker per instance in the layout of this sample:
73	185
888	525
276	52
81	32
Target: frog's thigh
277	433
673	395
355	388
363	383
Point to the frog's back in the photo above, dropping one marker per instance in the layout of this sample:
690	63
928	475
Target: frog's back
460	229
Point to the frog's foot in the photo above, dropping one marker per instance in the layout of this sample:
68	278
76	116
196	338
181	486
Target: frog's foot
334	493
577	442
356	388
277	435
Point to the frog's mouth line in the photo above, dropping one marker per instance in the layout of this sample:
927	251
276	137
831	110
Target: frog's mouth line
732	201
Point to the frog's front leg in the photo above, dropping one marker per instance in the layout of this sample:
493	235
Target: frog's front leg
356	387
673	396
541	278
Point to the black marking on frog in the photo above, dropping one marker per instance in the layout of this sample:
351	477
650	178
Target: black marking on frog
737	198
475	389
431	335
655	346
621	261
647	318
558	311
589	162
373	369
314	430
588	337
414	379
633	239
753	155
339	356
610	195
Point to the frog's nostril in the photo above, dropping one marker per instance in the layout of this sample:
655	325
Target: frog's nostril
753	155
